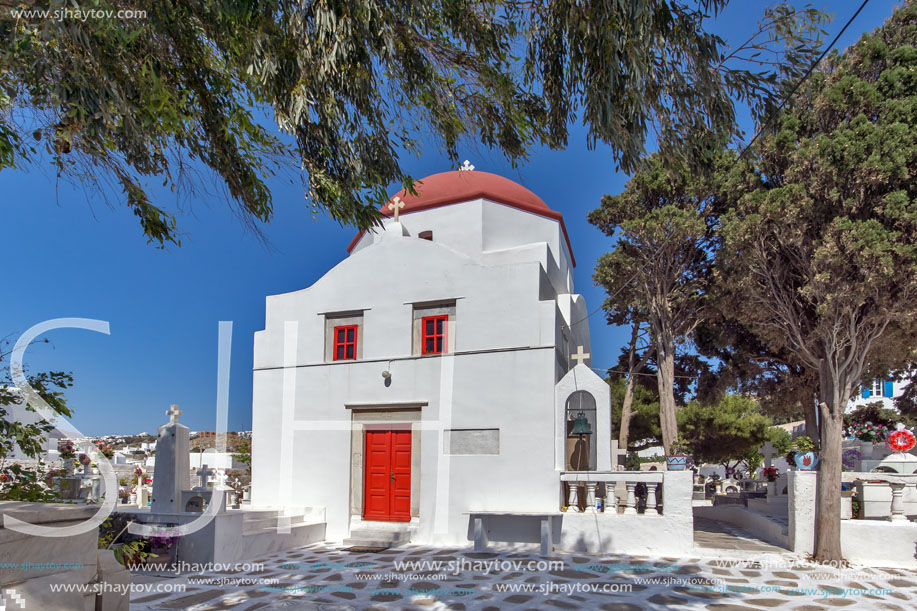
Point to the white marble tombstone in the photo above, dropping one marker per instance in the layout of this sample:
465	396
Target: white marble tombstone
173	469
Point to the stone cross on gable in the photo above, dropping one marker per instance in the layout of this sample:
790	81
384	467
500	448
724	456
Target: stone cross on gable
767	450
466	167
204	473
395	206
579	356
173	413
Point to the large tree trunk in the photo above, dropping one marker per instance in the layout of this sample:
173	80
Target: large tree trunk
665	377
834	395
626	413
632	368
808	398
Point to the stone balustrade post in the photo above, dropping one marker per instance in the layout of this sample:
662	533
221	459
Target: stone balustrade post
651	503
630	506
571	496
590	496
897	509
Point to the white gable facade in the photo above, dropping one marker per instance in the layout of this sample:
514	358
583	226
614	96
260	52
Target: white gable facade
417	382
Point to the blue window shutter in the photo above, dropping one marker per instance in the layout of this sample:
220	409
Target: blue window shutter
865	393
887	388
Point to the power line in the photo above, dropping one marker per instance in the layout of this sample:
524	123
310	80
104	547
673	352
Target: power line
807	74
641	373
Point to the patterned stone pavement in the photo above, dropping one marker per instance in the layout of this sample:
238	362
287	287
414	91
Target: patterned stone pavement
322	576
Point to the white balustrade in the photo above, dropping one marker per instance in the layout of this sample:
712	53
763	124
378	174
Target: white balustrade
591	479
896	482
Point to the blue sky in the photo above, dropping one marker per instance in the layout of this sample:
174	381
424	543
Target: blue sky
69	257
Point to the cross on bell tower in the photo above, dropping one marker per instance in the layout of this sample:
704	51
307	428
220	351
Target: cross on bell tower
395	206
579	356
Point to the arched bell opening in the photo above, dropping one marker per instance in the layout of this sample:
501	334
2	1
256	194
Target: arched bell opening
580	418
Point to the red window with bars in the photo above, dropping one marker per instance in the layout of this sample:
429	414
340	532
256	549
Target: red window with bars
433	334
345	343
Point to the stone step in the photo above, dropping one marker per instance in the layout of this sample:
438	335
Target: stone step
377	538
272	528
267	522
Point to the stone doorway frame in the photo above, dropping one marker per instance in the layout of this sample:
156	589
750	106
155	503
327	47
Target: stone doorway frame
382	416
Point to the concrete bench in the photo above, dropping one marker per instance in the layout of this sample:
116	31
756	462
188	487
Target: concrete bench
480	532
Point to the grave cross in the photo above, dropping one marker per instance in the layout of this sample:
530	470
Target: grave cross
173	413
204	473
616	463
395	206
580	356
768	452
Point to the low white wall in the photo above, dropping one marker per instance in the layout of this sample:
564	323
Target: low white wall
671	532
878	543
33	563
229	536
767	530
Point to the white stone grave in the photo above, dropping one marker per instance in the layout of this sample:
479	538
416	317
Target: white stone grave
172	468
875	498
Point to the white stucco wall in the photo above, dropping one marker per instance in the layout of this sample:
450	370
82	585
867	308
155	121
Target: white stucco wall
501	375
480	229
671	532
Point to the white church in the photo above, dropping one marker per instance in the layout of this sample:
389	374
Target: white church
435	386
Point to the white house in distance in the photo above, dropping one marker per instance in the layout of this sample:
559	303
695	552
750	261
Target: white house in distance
429	375
879	390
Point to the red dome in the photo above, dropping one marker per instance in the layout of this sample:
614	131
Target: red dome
463	186
456	187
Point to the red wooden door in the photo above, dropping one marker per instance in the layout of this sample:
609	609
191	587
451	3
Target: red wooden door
387	473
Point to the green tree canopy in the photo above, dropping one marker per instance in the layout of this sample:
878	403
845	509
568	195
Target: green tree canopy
116	103
785	388
724	432
906	402
661	262
820	249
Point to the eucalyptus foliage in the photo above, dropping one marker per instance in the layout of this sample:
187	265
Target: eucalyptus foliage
186	91
22	482
28	436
